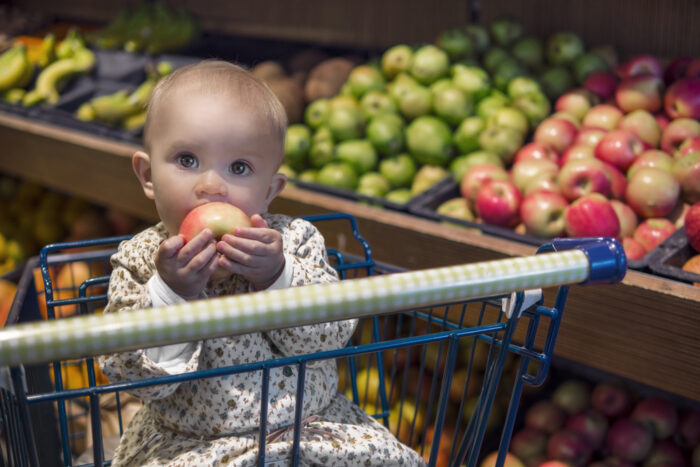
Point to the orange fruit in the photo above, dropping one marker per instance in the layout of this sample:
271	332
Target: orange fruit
693	265
7	295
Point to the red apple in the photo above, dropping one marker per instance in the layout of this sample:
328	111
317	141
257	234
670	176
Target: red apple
640	65
220	218
572	395
688	432
693	70
577	151
591	424
543	182
542	212
610	399
644	125
683	99
652	232
678	131
633	249
691	144
665	453
658	415
686	170
556	132
590	136
626	216
651	158
652	192
602	83
662	119
692	226
569	446
604	116
618	182
643	92
510	461
536	151
568	117
477	176
676	69
528	442
629	440
575	102
498	203
545	416
524	172
619	148
591	216
584	176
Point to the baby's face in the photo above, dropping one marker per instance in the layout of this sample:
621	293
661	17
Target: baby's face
207	148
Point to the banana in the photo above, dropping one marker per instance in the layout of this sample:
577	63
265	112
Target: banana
48	51
85	112
135	121
52	78
68	46
14	95
141	95
13	67
112	108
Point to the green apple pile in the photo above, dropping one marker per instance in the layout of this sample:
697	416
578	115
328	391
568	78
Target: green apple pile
417	115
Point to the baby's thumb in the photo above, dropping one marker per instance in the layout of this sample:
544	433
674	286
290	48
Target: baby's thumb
258	222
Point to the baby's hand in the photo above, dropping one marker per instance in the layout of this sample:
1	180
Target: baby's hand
253	252
186	267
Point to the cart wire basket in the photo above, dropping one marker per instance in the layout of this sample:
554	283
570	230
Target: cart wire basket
440	356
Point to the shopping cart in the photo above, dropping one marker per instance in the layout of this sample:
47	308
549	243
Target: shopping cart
440	356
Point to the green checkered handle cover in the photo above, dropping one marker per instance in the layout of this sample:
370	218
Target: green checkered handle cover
82	336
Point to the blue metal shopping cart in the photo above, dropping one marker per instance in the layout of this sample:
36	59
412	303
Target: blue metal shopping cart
440	356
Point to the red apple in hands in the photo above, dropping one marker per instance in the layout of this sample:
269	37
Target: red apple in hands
603	116
686	170
619	148
556	132
536	151
652	192
644	125
643	92
633	249
678	131
592	216
652	232
590	136
602	83
498	203
220	218
584	176
683	99
542	212
626	216
639	65
478	176
692	226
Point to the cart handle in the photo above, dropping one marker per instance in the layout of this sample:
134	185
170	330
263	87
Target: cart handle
605	255
81	336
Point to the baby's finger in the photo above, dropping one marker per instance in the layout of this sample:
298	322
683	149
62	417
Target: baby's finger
196	244
258	222
203	260
244	246
259	235
171	246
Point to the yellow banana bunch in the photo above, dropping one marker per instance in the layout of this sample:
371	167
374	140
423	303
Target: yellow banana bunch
15	68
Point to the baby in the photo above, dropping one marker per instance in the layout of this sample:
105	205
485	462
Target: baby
216	133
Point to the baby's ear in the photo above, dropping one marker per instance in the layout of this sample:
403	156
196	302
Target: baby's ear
141	163
276	186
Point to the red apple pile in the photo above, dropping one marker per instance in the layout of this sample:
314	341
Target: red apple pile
605	424
620	157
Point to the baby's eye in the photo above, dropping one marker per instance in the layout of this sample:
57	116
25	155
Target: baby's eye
240	168
187	160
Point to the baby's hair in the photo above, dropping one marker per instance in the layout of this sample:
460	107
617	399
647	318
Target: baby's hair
228	80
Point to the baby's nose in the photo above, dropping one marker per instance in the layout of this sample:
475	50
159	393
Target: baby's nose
211	183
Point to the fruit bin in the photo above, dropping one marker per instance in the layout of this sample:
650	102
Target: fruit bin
668	258
423	327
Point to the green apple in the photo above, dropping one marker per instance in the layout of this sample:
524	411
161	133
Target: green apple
529	51
426	177
396	59
556	81
359	153
466	136
345	123
452	104
429	140
479	36
386	133
457	208
321	153
399	170
373	184
365	78
522	85
490	104
287	171
322	133
375	102
309	176
456	42
430	63
442	83
416	101
506	30
338	175
473	80
505	71
343	102
493	56
503	141
316	112
509	117
586	64
461	165
563	48
297	143
397	88
534	105
399	196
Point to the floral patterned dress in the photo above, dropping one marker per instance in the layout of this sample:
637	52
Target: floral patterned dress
215	421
